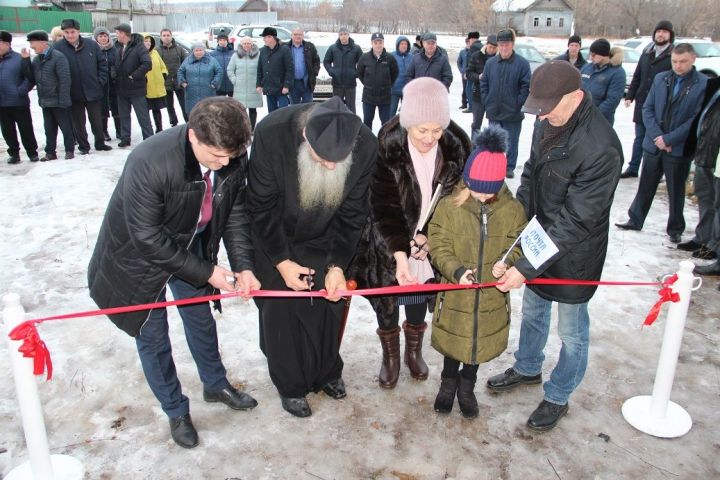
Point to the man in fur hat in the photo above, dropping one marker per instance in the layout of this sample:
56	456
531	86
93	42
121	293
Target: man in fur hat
308	200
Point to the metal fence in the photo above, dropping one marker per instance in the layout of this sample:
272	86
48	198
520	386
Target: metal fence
200	21
22	20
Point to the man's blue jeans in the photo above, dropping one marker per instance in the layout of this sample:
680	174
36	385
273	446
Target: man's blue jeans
574	331
513	130
300	93
276	101
155	350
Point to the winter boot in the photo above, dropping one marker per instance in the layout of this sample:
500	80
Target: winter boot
413	350
446	396
390	369
466	398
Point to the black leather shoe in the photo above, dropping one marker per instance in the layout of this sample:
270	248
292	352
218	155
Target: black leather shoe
234	399
627	226
628	174
712	269
546	416
296	406
82	151
124	143
510	379
48	157
183	431
675	238
335	389
35	159
13	159
704	253
103	148
689	246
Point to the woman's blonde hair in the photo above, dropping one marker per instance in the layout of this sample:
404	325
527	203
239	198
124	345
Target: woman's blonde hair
56	34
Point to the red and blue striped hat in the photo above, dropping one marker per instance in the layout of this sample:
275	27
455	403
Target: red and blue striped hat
485	167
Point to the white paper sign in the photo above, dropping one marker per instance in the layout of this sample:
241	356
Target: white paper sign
536	245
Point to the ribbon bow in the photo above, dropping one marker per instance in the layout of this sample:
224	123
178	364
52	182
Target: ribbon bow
33	347
666	295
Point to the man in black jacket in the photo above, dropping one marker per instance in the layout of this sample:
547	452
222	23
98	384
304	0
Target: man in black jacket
569	184
306	65
431	61
341	64
377	72
703	145
473	72
89	73
308	200
654	59
180	193
132	63
173	55
274	71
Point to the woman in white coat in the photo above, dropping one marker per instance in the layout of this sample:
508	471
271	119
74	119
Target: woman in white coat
242	72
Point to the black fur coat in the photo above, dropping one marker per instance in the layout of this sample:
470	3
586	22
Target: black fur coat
395	205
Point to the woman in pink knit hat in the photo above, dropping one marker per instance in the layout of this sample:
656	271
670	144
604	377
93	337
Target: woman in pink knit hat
420	150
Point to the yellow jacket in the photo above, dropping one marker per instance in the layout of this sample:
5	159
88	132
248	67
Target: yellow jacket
155	79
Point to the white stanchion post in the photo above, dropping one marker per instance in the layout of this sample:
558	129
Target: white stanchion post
656	415
42	465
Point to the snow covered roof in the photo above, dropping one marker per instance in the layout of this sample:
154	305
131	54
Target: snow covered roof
511	5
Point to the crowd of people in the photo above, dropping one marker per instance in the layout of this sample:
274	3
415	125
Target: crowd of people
328	200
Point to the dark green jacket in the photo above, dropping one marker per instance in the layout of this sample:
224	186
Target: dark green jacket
472	325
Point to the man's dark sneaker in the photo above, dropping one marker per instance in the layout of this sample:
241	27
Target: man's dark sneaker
13	159
49	156
183	431
231	397
689	246
629	174
69	155
510	379
34	158
546	416
124	143
627	226
704	253
103	148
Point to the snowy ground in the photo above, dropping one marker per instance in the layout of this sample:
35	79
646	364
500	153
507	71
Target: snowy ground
99	409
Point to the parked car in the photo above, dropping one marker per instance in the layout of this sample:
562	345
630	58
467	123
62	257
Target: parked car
637	43
255	31
631	57
531	54
323	84
215	30
708	53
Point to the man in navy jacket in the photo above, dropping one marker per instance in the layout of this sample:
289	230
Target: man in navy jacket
670	108
89	73
15	103
505	85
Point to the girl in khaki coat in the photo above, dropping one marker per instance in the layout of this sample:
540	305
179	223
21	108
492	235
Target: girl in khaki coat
469	233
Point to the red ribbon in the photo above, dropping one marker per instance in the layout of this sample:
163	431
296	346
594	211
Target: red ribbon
33	347
666	295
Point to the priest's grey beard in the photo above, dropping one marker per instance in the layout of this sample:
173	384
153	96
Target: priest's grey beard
320	187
